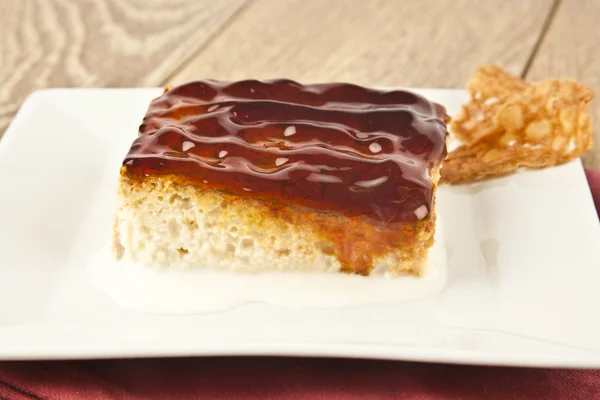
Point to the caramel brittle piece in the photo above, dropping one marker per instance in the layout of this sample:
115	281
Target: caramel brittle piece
489	88
543	125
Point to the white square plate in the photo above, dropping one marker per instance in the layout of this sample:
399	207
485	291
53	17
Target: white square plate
523	257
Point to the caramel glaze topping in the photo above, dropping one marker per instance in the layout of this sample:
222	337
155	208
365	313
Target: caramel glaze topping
331	147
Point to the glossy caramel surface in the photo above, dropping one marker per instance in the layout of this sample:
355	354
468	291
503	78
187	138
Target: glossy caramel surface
331	147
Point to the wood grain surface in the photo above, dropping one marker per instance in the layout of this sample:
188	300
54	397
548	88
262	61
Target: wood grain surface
61	43
571	48
419	43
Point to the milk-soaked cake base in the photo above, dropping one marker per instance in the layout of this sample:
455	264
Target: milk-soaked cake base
199	290
163	224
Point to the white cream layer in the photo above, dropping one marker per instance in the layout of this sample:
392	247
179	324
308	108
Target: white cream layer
200	290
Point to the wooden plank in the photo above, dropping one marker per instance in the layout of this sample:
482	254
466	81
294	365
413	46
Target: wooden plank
56	43
571	48
378	42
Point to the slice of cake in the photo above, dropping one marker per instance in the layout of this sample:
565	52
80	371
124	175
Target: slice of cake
258	176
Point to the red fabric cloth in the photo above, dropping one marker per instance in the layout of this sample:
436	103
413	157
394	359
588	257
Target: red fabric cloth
291	378
593	178
287	378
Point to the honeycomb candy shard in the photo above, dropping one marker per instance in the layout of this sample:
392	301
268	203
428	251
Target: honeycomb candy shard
537	125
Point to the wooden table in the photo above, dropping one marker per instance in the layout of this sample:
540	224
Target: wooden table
419	43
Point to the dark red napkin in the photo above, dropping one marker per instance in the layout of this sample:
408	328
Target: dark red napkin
593	178
291	378
287	378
